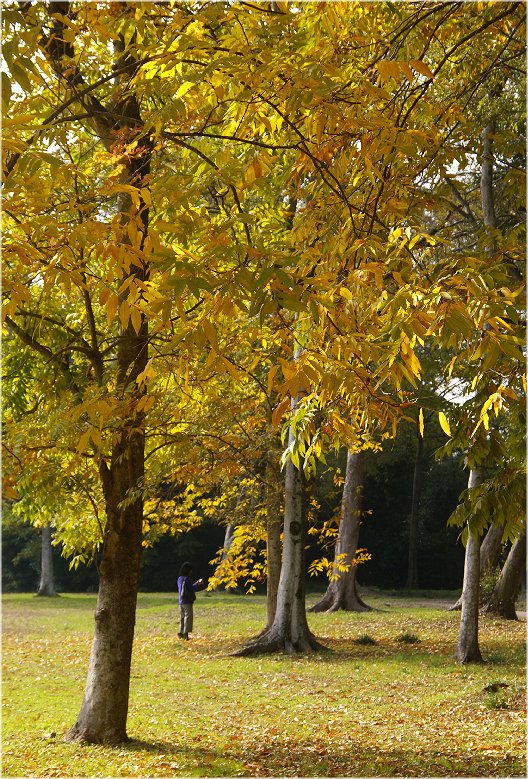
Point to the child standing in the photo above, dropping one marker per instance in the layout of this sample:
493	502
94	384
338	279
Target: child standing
186	597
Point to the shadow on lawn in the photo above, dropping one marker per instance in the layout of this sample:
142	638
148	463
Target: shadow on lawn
290	756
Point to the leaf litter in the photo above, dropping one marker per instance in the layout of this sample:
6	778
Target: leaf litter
391	709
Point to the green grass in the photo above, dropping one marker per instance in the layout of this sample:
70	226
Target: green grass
383	709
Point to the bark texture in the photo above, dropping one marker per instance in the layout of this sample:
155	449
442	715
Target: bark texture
118	126
490	551
274	559
504	595
274	488
103	714
47	578
491	547
342	592
467	650
289	631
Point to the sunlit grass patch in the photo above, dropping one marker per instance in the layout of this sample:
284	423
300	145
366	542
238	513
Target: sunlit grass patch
386	709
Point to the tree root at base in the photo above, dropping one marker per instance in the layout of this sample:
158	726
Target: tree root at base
270	643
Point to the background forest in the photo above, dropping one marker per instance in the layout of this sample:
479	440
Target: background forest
384	533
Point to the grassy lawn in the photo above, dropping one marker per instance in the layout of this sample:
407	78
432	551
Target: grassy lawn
376	705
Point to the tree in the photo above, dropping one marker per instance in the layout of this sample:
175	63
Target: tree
151	149
467	649
47	579
503	597
342	592
289	629
412	567
490	550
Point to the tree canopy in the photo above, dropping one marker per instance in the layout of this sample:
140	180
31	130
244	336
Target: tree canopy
213	209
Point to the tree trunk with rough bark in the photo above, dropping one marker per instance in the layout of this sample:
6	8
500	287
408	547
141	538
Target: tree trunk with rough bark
289	631
412	565
47	579
342	592
490	551
467	650
491	548
504	595
103	714
274	559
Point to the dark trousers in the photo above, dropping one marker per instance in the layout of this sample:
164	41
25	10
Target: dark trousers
186	617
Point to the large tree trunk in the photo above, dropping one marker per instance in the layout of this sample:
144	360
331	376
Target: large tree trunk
467	650
274	488
47	578
503	597
412	565
103	713
342	592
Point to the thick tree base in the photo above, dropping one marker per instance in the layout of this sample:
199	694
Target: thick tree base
331	605
504	612
46	594
270	643
86	736
465	656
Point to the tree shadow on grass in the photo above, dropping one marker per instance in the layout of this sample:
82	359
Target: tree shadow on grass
282	756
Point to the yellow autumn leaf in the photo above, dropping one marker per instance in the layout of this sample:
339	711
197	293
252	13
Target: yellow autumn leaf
422	68
421	422
20	119
111	308
444	424
183	89
279	410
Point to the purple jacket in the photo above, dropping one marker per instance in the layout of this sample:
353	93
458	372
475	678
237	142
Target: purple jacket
186	589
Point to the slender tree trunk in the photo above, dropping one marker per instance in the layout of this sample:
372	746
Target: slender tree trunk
412	566
491	547
274	559
342	592
47	578
490	550
228	540
504	595
486	177
467	650
289	631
